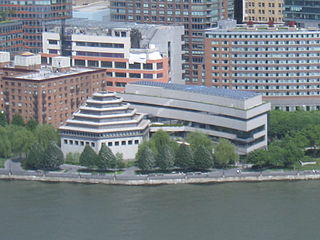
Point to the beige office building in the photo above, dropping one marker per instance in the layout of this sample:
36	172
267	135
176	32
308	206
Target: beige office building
263	11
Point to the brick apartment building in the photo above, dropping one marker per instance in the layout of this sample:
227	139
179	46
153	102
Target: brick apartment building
281	62
48	94
265	11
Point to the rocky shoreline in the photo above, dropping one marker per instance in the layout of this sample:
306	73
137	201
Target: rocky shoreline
152	181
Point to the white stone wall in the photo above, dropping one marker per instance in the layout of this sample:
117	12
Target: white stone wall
121	145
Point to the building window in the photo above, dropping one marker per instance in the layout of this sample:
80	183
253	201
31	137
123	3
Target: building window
121	75
160	65
109	144
160	75
130	142
71	142
76	142
116	143
82	143
135	66
147	66
120	65
92	144
134	75
123	143
65	141
106	64
136	141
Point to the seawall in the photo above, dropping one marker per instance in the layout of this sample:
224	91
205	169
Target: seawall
149	181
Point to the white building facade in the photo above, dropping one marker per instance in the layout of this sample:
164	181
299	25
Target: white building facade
105	119
238	116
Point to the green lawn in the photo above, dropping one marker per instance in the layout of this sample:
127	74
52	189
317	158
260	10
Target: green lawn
2	160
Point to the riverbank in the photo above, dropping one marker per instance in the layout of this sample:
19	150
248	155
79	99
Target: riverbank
147	180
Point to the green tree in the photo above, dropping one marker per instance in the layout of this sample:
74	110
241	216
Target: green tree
141	149
35	156
5	146
17	120
53	157
45	133
119	160
88	157
203	158
160	138
165	157
146	159
197	139
3	119
258	158
292	154
31	124
225	153
184	157
73	158
106	158
23	139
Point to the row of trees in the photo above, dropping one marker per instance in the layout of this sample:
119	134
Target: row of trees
198	152
104	160
290	133
17	138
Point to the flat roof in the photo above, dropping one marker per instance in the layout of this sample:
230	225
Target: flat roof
47	73
213	91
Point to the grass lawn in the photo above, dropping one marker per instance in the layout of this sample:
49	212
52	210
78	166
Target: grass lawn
2	160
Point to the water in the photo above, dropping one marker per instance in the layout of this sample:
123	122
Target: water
248	211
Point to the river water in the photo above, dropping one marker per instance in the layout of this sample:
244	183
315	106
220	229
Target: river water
242	211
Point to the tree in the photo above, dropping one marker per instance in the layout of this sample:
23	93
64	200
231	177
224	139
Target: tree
45	133
258	158
165	158
160	139
225	153
106	158
23	139
119	160
184	157
72	158
146	160
34	158
203	158
197	139
53	157
17	120
31	124
3	119
88	157
5	146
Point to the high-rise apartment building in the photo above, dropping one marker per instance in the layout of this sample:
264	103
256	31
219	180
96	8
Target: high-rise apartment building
263	11
11	36
33	15
281	62
194	15
305	13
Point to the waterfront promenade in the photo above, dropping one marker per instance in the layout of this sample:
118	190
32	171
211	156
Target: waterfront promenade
13	171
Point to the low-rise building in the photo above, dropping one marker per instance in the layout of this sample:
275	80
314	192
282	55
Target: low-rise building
130	52
281	62
239	116
105	119
48	94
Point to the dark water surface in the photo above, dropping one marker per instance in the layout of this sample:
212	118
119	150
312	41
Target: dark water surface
248	211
